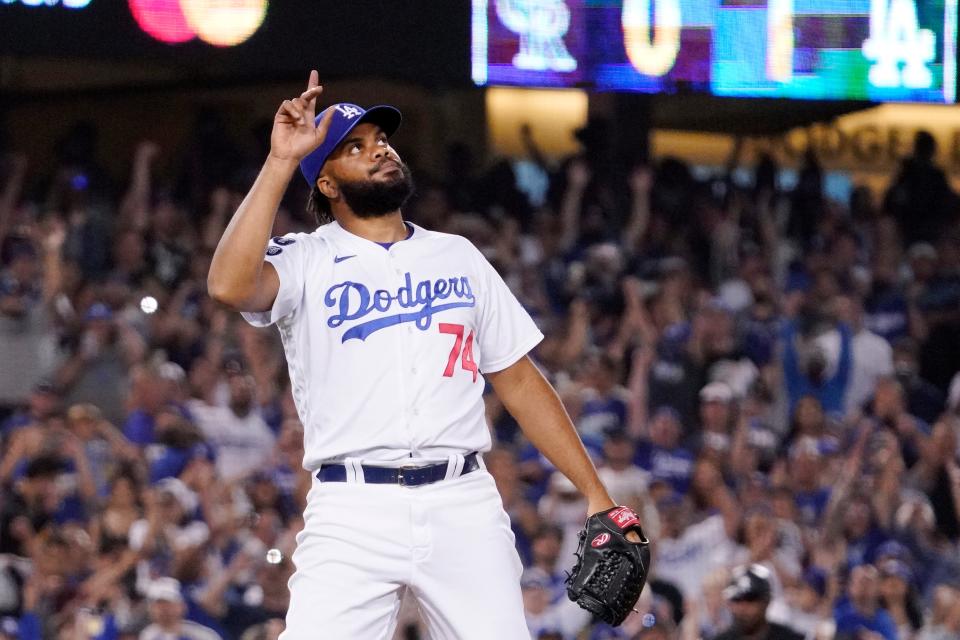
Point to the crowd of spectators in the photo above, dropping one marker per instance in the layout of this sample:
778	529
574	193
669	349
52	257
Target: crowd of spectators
766	375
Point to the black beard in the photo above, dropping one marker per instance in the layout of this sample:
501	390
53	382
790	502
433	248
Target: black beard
369	199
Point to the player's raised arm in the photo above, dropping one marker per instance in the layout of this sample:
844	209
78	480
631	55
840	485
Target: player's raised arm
238	276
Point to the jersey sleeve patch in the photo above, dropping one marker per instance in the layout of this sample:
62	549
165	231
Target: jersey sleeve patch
274	251
282	241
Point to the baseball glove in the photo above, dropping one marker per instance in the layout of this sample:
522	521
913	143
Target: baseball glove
611	570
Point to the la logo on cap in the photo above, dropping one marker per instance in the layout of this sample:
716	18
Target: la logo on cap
349	111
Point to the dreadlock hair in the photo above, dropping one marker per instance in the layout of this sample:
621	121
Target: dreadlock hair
319	206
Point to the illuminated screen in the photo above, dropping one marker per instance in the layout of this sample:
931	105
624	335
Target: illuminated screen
217	22
879	50
222	23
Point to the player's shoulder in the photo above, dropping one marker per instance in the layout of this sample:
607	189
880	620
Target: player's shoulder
320	233
448	240
316	241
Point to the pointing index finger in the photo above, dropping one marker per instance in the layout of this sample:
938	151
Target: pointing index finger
308	98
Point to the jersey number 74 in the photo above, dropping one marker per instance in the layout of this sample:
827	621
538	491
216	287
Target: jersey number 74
461	350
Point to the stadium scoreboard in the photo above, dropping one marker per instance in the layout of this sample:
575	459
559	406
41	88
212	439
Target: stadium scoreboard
877	50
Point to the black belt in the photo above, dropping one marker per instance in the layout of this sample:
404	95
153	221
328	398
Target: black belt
406	476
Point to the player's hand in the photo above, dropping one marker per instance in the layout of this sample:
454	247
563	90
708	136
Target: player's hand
602	503
294	135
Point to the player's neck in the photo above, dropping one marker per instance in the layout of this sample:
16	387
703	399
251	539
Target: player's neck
383	229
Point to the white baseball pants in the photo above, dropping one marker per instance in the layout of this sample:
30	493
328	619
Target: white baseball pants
449	542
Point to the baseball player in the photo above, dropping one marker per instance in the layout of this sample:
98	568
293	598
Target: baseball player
389	331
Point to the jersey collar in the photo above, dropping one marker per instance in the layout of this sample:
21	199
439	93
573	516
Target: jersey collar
340	232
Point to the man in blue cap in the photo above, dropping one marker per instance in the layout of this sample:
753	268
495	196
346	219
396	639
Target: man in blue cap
389	331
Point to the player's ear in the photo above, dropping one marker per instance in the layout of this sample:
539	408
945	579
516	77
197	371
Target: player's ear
327	186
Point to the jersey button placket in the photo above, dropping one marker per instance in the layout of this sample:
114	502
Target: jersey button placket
404	364
393	262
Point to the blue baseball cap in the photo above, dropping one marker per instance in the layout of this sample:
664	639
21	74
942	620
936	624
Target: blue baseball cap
346	116
895	550
894	568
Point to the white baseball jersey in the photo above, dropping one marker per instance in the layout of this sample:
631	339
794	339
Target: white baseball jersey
385	347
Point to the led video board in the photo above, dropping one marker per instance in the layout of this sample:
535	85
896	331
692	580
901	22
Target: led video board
222	24
879	50
215	22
